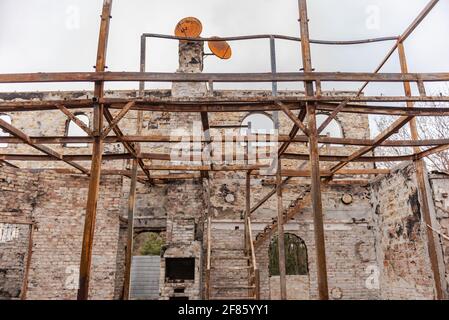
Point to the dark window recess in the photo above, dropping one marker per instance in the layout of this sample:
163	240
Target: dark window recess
179	269
179	290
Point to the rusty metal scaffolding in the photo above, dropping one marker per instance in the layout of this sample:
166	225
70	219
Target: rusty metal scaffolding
304	130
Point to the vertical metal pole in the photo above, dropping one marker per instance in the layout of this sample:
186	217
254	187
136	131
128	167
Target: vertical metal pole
281	242
274	84
247	209
317	206
97	152
143	51
421	179
130	237
278	166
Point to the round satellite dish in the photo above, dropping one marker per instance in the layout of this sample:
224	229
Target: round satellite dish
220	49
189	27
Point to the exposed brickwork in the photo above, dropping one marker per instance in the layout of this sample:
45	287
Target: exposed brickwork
405	271
440	187
13	257
57	204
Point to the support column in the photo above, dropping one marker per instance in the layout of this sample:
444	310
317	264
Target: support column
97	152
247	209
130	236
281	242
317	206
421	179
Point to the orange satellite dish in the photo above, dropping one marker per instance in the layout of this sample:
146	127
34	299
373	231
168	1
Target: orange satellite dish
220	49
189	27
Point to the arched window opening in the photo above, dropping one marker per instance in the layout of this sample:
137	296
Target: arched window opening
295	256
260	123
73	130
332	130
3	133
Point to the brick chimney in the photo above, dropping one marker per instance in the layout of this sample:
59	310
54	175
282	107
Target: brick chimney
191	58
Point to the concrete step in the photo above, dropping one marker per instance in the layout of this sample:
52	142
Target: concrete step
232	268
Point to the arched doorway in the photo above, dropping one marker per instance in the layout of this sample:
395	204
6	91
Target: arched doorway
297	268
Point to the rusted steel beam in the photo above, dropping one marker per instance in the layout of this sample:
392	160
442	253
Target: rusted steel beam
281	235
130	236
250	105
326	173
48	151
97	152
421	177
268	196
268	36
391	130
173	139
117	119
131	148
73	118
400	40
207	167
219	77
167	157
294	118
317	207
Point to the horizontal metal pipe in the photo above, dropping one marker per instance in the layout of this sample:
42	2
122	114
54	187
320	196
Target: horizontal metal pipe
268	36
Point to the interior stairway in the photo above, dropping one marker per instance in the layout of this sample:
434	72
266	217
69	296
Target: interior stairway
230	274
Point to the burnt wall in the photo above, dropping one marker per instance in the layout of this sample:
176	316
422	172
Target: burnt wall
405	270
57	205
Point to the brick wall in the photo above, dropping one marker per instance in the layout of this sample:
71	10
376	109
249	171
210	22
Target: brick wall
350	242
440	188
405	271
57	205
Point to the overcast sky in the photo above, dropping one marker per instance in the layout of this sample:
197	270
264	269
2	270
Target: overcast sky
61	35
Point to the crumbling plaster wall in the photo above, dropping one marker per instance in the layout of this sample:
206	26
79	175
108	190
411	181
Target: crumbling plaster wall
57	205
440	188
401	240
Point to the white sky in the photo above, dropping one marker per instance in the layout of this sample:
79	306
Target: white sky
61	35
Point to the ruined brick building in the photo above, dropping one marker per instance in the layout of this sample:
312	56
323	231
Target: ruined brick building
378	242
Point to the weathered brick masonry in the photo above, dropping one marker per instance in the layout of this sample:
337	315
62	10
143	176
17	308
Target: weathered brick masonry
57	205
403	259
